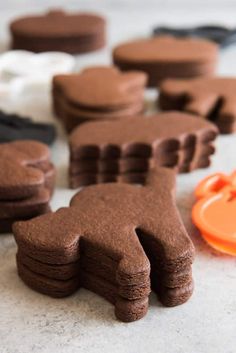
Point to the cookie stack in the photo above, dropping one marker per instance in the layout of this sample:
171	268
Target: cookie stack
168	57
172	281
99	93
116	151
112	259
49	268
27	180
60	275
210	98
59	31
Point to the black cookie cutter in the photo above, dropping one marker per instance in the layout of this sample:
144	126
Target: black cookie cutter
14	127
219	34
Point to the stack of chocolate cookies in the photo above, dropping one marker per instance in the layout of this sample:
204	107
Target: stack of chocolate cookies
27	179
209	98
59	31
168	57
99	93
125	150
79	246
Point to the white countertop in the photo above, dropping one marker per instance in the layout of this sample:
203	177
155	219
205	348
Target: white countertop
31	322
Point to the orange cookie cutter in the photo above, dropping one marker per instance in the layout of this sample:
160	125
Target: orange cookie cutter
214	213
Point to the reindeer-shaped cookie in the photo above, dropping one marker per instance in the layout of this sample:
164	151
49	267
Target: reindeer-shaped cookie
112	240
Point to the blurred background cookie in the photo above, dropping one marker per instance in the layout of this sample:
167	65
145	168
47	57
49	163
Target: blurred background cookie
59	31
210	98
166	56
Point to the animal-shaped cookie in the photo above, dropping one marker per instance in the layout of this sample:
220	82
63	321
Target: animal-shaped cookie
112	240
126	149
214	212
98	93
167	57
211	98
58	31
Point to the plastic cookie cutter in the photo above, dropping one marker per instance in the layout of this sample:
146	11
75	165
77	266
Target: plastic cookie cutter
22	63
214	213
224	36
23	71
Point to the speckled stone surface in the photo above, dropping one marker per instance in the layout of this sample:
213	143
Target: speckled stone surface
33	323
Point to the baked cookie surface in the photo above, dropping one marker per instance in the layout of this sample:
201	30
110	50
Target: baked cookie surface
98	93
124	150
59	31
210	98
106	241
166	56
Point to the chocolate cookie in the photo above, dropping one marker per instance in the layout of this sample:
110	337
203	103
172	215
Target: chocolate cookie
124	150
27	179
210	98
112	240
98	93
59	31
14	127
166	57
